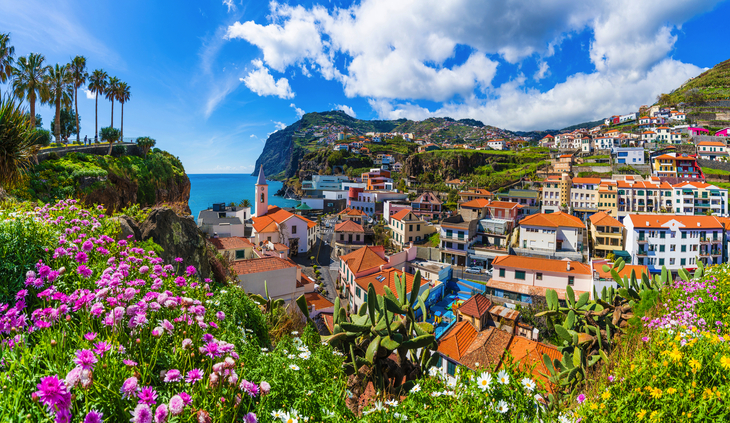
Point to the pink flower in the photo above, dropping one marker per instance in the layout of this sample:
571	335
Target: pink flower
250	418
85	359
190	271
249	388
87	245
176	405
193	376
147	395
173	375
220	315
94	417
581	398
52	393
161	414
90	336
265	387
72	378
142	414
81	257
129	387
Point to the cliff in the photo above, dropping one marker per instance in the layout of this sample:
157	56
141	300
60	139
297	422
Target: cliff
115	182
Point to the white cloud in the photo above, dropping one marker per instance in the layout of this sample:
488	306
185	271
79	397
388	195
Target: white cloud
253	136
345	108
279	125
300	112
262	82
396	52
89	94
230	4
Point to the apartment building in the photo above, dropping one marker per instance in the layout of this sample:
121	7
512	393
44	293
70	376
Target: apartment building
550	235
690	198
377	179
564	163
673	241
348	236
456	237
665	135
469	195
712	150
630	155
517	279
529	200
584	196
608	198
607	234
427	205
320	183
650	196
406	227
556	193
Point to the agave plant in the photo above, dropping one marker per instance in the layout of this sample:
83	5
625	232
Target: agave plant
17	141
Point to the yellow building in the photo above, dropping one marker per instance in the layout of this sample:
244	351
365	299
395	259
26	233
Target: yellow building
607	234
665	165
608	198
407	227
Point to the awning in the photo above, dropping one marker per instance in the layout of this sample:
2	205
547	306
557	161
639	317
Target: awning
303	206
623	254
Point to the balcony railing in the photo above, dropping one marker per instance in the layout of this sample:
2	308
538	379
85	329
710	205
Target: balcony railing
460	238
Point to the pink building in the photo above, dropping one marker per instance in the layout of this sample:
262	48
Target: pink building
725	132
698	131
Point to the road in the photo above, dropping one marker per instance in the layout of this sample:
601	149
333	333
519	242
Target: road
459	272
322	251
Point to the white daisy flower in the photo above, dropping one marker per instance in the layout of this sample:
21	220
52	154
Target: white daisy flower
288	418
484	380
305	355
392	403
503	377
291	356
435	394
451	382
416	388
294	367
502	407
278	414
528	383
433	371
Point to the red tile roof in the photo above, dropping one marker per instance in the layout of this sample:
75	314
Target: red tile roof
586	181
365	258
388	278
688	222
401	214
316	299
529	354
352	212
527	289
712	143
476	203
604	219
231	243
456	342
259	265
553	220
476	306
348	226
503	205
274	217
542	264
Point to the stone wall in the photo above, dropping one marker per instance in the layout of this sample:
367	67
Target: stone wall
97	150
713	164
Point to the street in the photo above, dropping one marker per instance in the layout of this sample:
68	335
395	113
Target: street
322	251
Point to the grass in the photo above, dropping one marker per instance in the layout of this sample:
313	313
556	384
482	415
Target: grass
711	171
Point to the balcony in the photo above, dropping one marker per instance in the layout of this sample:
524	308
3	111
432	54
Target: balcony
704	240
642	240
487	247
458	238
642	253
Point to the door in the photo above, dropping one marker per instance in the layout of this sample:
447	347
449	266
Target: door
560	245
461	260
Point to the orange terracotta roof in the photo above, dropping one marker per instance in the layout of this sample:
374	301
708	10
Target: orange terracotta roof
566	156
529	355
553	220
487	349
280	247
586	181
348	226
626	271
527	289
365	258
605	219
688	222
259	265
693	184
476	306
231	243
304	280
317	300
542	264
401	214
274	217
457	340
712	143
388	278
352	212
503	205
476	203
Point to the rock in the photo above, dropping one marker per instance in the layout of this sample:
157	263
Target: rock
129	227
179	237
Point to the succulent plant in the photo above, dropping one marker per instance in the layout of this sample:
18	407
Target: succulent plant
386	325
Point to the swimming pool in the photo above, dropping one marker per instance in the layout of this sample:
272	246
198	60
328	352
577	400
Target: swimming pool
443	310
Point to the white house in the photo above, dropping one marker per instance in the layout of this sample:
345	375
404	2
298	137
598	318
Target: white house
712	150
497	144
517	278
276	225
673	241
223	221
630	155
282	277
547	234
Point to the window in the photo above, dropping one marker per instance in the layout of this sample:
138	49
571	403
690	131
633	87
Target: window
673	248
357	237
662	234
268	238
571	280
661	262
358	292
684	248
293	229
410	227
501	273
240	254
519	274
683	262
418	227
450	368
684	234
661	248
342	237
671	262
262	197
538	276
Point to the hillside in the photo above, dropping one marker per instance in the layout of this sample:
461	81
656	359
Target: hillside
116	182
285	148
713	84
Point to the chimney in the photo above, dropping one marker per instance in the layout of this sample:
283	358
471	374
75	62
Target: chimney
568	266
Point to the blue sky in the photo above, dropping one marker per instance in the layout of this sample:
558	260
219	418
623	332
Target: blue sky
211	79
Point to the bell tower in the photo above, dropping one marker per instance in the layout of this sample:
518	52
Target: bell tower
262	194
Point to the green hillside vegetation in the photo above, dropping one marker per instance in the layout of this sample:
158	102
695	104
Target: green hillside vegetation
713	84
77	174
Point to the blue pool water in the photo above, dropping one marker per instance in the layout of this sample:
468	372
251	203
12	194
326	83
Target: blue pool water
442	308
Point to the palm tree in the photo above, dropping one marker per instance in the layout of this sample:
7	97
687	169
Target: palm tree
17	137
97	85
29	83
60	86
111	94
77	67
146	143
6	57
122	97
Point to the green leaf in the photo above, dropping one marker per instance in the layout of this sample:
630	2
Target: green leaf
606	268
389	294
683	274
548	364
563	333
302	303
603	356
392	306
419	342
570	320
577	358
392	342
570	296
552	299
351	327
582	300
372	349
372	302
337	307
416	287
618	279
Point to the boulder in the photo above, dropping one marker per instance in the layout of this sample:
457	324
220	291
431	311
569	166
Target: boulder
129	227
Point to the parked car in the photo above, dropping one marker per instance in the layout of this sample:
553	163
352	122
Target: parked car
474	269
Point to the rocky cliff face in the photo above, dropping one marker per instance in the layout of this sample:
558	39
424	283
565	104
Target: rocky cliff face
120	192
277	157
453	164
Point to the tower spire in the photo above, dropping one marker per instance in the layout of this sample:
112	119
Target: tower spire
262	177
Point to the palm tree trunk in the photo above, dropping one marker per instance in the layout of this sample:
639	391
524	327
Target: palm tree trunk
112	125
121	132
76	106
58	119
31	100
96	117
111	143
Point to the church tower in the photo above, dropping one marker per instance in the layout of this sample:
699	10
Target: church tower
262	194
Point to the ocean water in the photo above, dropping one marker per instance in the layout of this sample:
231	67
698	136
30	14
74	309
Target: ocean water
225	188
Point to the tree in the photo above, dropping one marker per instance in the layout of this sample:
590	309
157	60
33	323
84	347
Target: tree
111	94
109	134
61	93
664	99
17	136
77	67
68	122
122	97
42	139
694	95
6	57
38	121
97	85
245	203
29	83
146	143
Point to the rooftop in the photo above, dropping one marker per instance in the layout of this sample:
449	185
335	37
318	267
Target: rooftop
387	278
553	220
317	300
476	306
365	258
348	226
542	264
231	243
260	265
604	219
662	221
